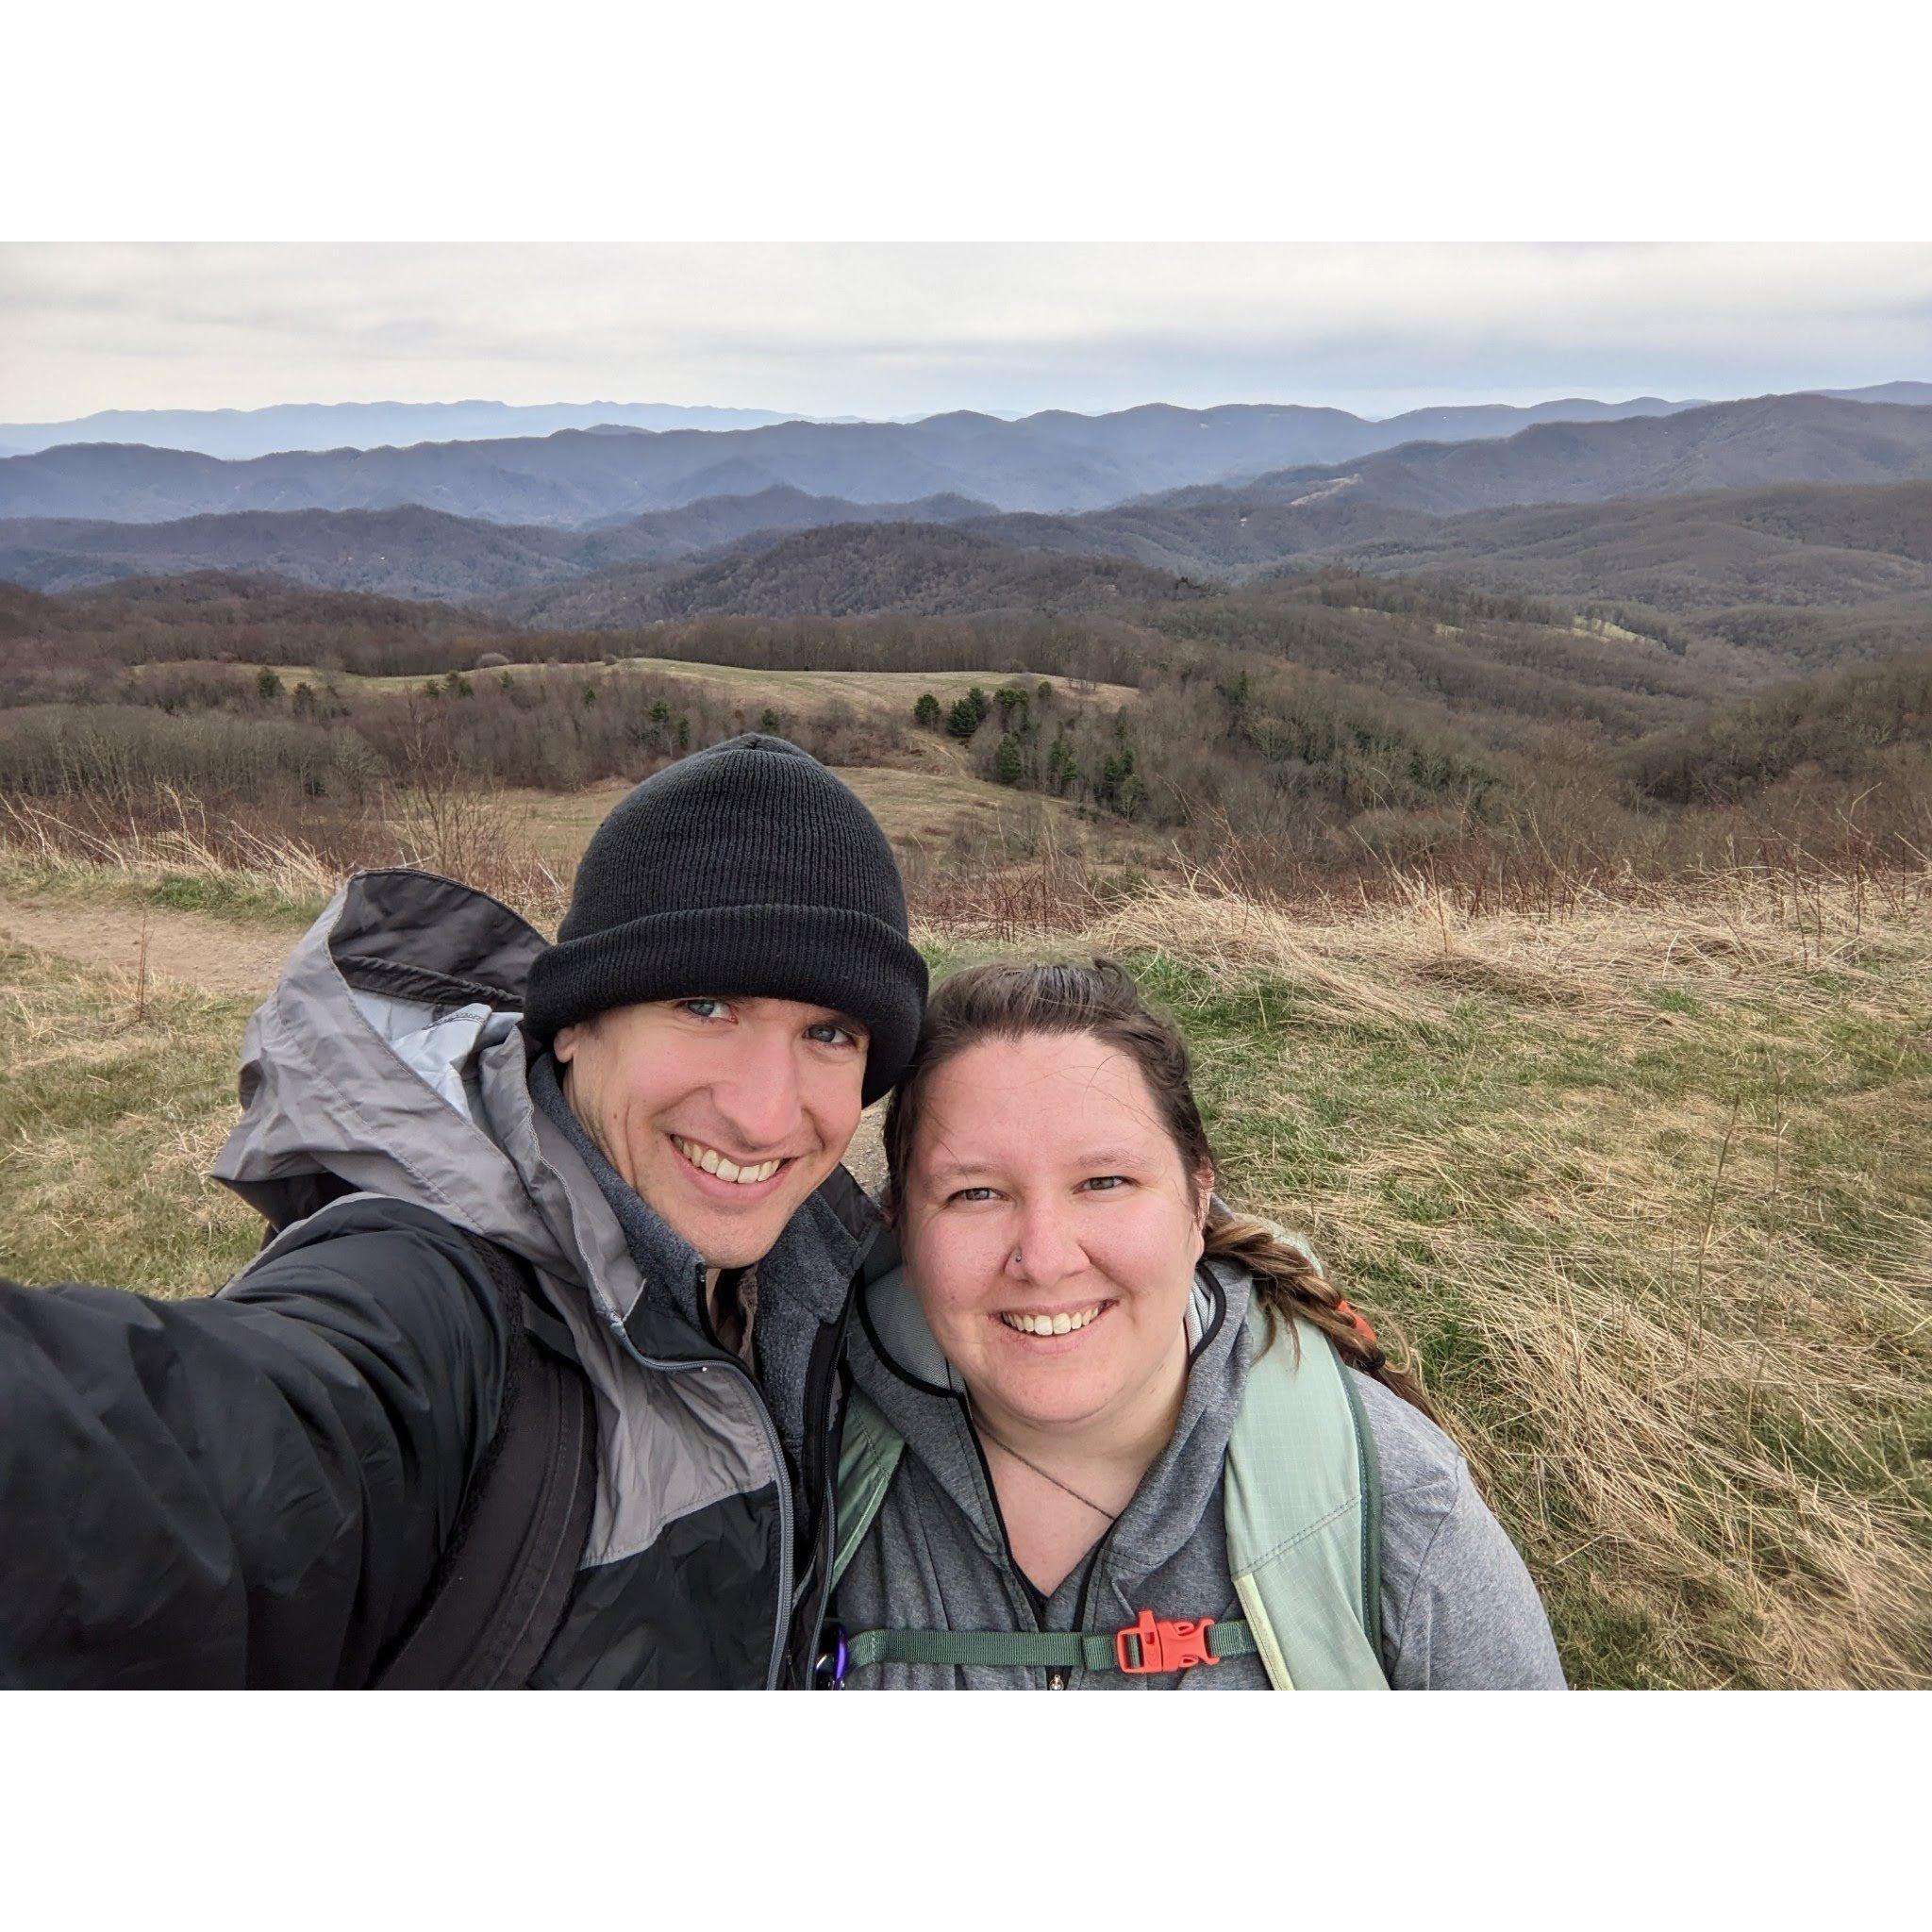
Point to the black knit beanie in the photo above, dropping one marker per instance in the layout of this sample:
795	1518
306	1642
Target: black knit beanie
745	869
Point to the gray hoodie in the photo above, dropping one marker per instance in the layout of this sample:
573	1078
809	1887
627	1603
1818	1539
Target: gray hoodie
1459	1609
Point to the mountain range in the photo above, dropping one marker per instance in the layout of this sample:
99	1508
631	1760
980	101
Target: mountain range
1781	501
1053	460
848	570
241	433
1373	512
1050	463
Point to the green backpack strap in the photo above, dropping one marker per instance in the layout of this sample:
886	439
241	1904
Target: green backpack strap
1304	1535
868	1454
1303	1507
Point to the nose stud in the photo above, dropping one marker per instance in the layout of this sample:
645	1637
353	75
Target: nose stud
1017	1262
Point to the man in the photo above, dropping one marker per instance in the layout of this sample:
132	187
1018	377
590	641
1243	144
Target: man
267	1486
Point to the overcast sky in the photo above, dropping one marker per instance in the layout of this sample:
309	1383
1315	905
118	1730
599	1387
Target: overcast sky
883	330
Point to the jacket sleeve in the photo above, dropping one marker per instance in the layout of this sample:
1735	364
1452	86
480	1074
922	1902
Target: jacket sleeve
1471	1618
247	1491
1459	1611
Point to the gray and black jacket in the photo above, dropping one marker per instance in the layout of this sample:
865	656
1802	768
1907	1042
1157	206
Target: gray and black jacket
255	1489
1459	1609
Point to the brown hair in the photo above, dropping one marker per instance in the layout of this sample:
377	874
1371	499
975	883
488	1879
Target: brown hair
1011	1000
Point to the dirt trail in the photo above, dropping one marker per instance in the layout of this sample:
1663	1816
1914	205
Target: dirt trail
217	957
188	947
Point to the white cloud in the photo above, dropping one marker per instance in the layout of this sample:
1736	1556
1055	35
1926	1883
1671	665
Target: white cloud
891	329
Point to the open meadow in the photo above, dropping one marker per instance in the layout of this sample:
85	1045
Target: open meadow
1645	1183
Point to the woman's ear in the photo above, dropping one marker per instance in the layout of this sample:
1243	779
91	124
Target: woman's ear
1204	1196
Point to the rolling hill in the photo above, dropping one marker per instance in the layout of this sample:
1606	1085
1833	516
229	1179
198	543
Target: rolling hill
413	552
847	570
1802	438
242	433
1798	544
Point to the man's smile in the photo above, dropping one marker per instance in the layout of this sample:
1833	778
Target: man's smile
711	1161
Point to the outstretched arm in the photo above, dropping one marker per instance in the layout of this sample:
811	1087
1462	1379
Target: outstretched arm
246	1491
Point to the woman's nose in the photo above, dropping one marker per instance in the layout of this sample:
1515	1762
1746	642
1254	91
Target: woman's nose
1045	1248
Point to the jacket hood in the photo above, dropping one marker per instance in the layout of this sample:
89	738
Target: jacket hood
901	1367
373	1065
390	1060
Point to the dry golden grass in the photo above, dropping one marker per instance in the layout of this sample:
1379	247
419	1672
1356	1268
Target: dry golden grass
169	851
1649	1188
935	811
1646	1181
50	843
890	694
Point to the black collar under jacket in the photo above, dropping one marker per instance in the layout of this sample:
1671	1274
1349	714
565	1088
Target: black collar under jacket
897	1362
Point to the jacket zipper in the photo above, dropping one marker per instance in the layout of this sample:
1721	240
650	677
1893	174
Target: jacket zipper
826	1540
1055	1680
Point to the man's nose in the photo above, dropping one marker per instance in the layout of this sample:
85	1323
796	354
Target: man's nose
759	1099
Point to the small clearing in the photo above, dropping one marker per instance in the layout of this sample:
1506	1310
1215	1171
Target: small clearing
932	808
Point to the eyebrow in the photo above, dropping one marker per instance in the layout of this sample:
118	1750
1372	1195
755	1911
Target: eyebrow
1092	1158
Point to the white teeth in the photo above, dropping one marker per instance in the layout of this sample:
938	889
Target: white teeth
1051	1324
713	1162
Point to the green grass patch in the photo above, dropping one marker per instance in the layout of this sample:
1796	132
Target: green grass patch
245	897
109	1115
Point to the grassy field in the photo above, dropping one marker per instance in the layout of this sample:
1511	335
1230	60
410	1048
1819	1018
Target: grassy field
937	809
1648	1188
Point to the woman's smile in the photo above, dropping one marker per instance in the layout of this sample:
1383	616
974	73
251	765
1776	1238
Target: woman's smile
1038	1324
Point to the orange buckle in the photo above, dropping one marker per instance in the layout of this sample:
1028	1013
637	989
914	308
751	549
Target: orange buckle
1163	1643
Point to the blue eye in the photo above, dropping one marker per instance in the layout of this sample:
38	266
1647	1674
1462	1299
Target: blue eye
972	1194
839	1034
1106	1183
691	1006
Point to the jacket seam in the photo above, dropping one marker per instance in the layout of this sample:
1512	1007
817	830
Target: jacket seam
1429	1552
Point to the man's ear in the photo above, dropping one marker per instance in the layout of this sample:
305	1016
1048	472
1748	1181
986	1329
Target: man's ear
565	1045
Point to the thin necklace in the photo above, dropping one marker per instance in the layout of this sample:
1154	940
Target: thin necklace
1111	1515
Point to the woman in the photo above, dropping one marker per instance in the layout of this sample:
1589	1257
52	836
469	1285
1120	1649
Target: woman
1101	1436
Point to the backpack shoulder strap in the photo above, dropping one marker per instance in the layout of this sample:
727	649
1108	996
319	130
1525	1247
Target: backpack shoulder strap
505	1579
1303	1514
868	1454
